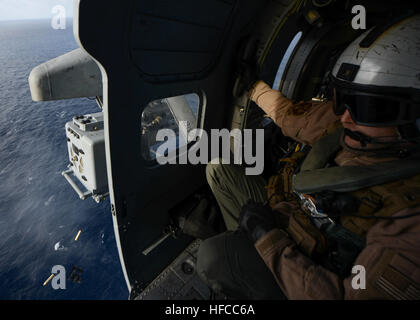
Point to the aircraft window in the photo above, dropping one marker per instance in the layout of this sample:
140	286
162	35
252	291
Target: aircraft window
167	114
285	59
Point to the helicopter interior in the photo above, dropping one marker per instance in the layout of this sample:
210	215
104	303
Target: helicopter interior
163	62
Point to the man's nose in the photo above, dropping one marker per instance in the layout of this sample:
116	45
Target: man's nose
346	117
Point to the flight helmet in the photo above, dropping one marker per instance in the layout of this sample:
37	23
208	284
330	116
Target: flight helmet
377	77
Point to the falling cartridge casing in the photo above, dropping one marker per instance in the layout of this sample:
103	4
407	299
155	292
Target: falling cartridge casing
49	279
77	235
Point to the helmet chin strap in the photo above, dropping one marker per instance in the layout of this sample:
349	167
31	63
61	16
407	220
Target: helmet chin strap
394	148
364	139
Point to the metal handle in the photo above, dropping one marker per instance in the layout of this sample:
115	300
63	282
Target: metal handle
169	231
156	244
82	195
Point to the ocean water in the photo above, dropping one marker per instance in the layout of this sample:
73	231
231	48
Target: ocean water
40	214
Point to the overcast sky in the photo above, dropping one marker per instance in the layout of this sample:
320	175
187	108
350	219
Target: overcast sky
32	9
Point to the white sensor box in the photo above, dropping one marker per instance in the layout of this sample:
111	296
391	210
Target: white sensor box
86	148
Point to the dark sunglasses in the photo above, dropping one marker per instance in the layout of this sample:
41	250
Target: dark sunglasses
375	110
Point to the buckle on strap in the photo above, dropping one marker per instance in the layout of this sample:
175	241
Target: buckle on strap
317	216
308	203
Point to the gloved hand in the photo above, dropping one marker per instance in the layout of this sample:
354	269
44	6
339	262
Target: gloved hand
256	220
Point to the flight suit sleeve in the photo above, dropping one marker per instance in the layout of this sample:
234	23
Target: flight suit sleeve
297	275
305	122
388	267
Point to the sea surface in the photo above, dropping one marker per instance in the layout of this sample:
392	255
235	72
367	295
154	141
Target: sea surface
40	214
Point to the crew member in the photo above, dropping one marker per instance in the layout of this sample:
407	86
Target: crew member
352	200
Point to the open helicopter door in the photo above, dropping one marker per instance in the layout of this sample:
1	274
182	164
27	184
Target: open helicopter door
155	56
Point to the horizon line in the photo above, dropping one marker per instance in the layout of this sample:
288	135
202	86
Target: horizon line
30	19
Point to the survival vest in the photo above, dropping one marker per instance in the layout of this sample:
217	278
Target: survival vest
378	190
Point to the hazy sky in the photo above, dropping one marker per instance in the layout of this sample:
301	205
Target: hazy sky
32	9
